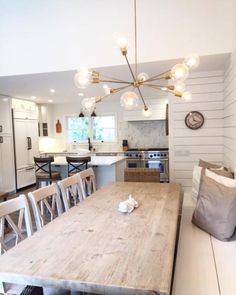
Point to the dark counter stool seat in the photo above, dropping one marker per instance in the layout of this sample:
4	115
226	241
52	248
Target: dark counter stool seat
43	171
77	164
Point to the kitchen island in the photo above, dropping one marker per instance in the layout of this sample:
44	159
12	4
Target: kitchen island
106	168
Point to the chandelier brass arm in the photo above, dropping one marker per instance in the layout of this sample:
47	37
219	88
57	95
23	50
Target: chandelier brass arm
129	99
165	76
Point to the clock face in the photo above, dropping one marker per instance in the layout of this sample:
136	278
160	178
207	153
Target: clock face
194	120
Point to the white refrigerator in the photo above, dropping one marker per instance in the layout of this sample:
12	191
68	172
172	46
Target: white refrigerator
25	148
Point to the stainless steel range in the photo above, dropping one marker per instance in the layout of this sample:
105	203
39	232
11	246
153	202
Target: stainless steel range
150	158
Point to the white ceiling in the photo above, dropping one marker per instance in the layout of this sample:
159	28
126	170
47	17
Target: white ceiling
57	35
42	42
25	86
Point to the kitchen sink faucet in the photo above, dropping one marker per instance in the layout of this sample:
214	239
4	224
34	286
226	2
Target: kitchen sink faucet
90	146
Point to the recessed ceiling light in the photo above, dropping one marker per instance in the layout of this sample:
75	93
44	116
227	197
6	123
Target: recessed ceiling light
33	97
105	86
80	94
52	90
50	100
5	99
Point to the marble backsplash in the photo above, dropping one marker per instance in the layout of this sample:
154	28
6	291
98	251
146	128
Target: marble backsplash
144	134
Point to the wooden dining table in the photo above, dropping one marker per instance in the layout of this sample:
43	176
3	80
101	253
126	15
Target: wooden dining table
95	248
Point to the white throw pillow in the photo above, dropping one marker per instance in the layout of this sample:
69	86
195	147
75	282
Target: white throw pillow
221	179
197	170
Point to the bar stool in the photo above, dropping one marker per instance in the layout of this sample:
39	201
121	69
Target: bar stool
43	171
77	164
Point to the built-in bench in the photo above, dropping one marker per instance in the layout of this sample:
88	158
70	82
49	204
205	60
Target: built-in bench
204	265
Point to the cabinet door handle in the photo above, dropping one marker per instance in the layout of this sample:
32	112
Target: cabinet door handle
29	143
1	139
0	128
31	168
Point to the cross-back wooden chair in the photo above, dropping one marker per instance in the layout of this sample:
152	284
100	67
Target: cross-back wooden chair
71	191
142	175
88	182
77	164
43	170
16	212
46	204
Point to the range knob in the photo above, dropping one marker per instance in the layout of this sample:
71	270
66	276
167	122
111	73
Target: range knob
136	155
151	156
161	155
155	155
140	156
158	155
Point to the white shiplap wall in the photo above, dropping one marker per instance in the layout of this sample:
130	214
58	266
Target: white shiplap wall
229	125
188	146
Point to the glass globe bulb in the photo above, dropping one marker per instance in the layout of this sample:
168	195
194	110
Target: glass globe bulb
187	96
82	78
88	105
143	77
129	100
122	42
147	113
179	86
192	60
107	89
179	72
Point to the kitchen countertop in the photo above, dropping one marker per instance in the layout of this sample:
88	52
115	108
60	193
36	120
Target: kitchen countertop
95	160
78	153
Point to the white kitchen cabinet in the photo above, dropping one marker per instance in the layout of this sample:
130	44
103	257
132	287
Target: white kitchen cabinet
44	117
26	142
158	107
7	170
5	116
23	109
25	177
26	147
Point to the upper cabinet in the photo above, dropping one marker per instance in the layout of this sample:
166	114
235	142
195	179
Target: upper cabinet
44	117
158	107
5	116
23	109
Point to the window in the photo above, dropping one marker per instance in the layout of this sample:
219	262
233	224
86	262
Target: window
77	129
102	128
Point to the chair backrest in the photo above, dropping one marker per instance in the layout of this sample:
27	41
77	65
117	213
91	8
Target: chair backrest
43	165
142	175
8	212
88	182
46	202
71	191
77	164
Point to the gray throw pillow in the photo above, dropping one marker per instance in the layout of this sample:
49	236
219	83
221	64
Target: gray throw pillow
208	165
215	211
224	173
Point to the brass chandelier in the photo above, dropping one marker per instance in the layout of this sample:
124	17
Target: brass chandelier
130	99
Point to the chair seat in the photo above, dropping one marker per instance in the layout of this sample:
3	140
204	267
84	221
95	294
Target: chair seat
72	173
45	175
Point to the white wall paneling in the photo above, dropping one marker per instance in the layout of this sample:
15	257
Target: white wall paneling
188	146
229	124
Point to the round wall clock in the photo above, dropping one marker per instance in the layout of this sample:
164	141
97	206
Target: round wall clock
194	120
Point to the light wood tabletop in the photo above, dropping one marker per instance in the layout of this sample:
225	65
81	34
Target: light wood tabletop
95	248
